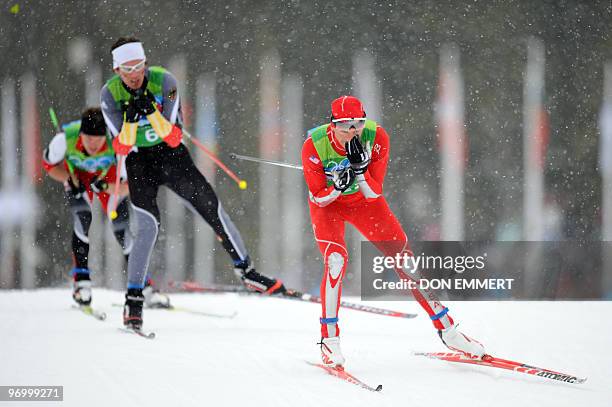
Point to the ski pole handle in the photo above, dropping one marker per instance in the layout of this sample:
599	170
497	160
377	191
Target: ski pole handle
54	119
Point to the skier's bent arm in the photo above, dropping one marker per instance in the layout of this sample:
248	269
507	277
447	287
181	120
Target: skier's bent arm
320	194
59	173
113	116
53	158
166	122
371	182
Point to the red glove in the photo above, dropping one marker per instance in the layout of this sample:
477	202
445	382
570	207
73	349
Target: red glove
120	148
173	139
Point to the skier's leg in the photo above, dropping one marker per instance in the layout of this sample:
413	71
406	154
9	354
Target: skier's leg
378	224
188	183
376	221
121	229
154	298
328	228
144	184
81	216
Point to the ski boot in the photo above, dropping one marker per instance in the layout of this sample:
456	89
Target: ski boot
331	353
455	340
81	287
132	310
153	298
258	282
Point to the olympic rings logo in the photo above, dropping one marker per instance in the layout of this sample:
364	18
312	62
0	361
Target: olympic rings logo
92	164
333	166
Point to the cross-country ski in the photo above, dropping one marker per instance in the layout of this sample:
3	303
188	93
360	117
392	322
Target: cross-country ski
139	332
342	374
499	363
89	310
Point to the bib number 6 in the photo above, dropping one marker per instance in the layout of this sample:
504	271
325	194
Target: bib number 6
151	136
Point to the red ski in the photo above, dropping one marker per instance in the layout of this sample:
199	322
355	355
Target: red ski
340	373
491	361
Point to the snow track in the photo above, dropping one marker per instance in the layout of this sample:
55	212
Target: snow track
257	358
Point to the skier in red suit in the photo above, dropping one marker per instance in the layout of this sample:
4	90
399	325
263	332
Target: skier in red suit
345	162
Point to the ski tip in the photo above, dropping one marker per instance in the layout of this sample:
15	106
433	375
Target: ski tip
378	388
139	332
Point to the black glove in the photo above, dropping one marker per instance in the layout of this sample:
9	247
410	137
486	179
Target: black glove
76	191
131	113
144	102
343	179
98	185
357	155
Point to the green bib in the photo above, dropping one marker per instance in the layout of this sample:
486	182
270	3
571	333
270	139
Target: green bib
330	159
145	136
80	160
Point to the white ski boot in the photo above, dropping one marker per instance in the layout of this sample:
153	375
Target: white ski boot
455	340
81	292
155	299
331	353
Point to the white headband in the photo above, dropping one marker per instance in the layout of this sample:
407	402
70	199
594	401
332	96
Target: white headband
127	52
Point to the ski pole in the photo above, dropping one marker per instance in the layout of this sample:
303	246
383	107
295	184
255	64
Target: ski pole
242	184
264	161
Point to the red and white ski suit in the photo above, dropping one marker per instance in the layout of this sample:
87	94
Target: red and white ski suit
368	211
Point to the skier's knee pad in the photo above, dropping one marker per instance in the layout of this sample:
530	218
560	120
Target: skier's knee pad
335	264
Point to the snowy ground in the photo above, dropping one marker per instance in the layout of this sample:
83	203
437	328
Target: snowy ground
257	358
